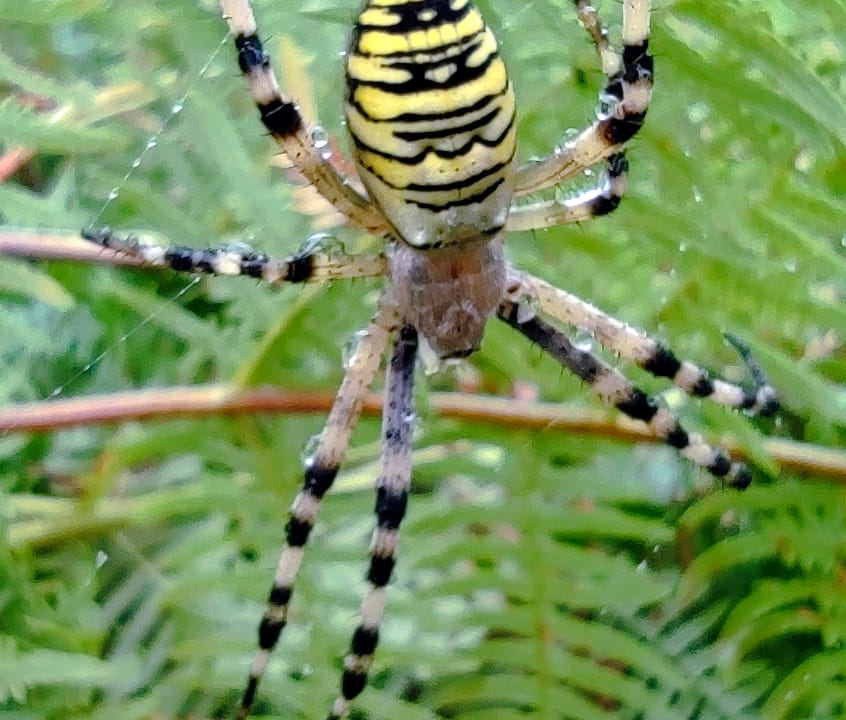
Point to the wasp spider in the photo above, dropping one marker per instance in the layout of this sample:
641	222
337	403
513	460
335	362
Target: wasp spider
431	119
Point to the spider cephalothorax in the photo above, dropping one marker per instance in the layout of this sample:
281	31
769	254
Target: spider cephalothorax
431	118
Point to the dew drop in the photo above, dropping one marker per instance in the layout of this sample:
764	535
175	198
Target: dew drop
607	106
151	143
528	308
349	348
429	359
113	193
177	108
309	451
321	243
239	247
320	140
136	162
410	418
642	566
583	341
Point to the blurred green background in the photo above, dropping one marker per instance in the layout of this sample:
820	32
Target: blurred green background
542	574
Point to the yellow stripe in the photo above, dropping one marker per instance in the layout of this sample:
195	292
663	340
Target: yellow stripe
435	74
381	104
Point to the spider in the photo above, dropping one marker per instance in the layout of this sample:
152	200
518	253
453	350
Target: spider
431	118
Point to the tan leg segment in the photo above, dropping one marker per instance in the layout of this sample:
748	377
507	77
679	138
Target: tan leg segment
601	200
637	347
320	471
623	105
614	389
309	265
281	117
391	499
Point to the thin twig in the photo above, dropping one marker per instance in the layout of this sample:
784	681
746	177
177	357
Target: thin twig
38	245
224	399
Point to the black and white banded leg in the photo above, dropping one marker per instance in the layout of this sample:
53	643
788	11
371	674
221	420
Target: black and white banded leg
601	200
609	58
308	265
283	120
615	389
624	102
637	347
321	469
391	499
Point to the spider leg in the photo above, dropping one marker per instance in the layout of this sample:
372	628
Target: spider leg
238	259
391	499
637	347
601	200
281	117
625	100
320	472
615	389
608	57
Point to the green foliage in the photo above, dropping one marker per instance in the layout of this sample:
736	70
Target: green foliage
540	575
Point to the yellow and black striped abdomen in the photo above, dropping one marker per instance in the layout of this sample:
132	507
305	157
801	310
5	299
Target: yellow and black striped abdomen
430	112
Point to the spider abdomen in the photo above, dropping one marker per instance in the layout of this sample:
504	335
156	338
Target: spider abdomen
430	112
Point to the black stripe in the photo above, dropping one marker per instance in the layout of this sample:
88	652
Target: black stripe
443	154
720	467
253	265
364	641
750	399
251	54
455	185
742	479
637	63
604	204
411	117
409	18
413	136
616	165
300	268
434	50
460	202
249	695
703	388
419	83
296	532
352	684
183	259
319	479
390	508
678	438
280	118
638	406
279	596
380	570
269	631
663	363
616	131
